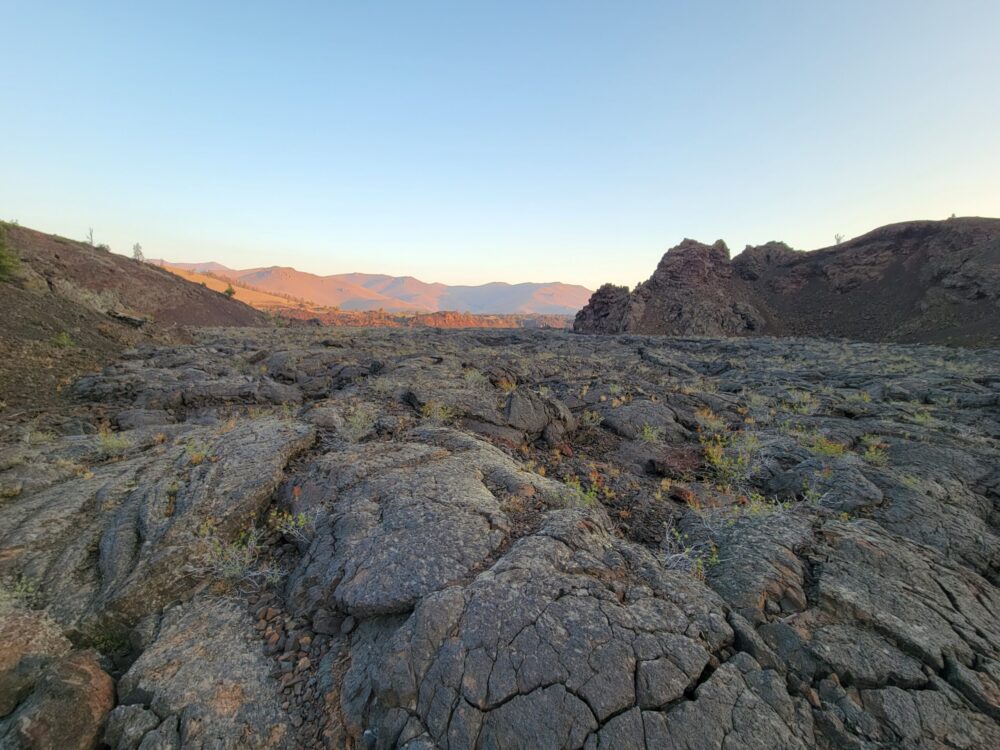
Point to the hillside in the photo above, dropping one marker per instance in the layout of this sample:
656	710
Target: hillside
361	291
919	281
69	308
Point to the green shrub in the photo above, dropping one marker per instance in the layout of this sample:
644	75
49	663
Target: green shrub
8	263
823	446
476	380
63	340
240	562
359	421
436	412
112	444
17	592
651	434
875	450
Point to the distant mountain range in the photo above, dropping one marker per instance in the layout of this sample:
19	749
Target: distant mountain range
362	291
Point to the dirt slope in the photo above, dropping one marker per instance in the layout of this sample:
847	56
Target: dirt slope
61	312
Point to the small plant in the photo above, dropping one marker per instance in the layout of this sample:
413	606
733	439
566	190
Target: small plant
708	420
112	444
732	460
8	263
586	498
229	292
651	434
686	556
109	641
437	412
875	450
591	418
238	562
802	402
298	527
63	340
18	592
823	446
359	421
34	436
476	380
507	385
923	417
196	452
137	253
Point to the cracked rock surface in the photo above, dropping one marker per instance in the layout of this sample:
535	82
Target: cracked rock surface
329	538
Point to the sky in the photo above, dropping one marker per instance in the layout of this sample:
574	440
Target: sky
467	142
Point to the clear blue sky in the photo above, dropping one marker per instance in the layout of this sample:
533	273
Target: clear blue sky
470	141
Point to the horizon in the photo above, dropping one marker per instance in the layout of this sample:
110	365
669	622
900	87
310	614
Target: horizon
495	143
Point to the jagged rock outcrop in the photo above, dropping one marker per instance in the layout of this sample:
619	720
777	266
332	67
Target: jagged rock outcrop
921	281
692	292
605	312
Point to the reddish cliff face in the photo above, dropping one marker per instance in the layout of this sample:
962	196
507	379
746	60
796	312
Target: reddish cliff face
923	281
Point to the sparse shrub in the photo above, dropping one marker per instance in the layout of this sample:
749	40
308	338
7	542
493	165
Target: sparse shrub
476	380
708	420
586	498
359	421
34	436
109	640
8	263
823	446
137	253
196	452
689	557
298	527
437	412
238	562
18	592
923	417
63	340
802	402
733	460
111	443
875	450
591	418
507	385
229	292
651	434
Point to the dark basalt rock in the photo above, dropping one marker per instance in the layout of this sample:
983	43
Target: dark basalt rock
516	540
921	281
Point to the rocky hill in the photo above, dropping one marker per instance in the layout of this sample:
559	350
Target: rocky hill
921	281
365	292
67	308
309	538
